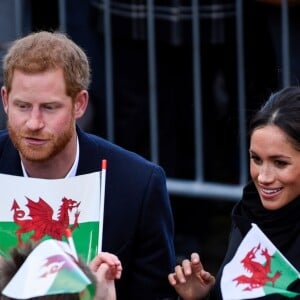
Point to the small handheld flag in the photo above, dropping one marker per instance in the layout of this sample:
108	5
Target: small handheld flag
49	269
38	209
257	269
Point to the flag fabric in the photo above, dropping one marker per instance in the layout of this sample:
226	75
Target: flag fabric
257	269
49	269
39	209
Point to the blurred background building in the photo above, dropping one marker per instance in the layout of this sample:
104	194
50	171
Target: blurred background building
177	81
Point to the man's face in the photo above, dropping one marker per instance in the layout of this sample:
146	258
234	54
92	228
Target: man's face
41	117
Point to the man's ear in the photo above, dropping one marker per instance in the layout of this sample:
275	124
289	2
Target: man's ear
4	99
81	103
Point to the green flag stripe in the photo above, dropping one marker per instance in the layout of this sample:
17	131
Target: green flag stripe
287	276
69	281
270	290
85	238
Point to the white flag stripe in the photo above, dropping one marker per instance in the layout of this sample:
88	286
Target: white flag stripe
51	191
28	282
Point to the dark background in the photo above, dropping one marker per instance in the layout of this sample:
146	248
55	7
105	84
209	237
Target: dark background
201	224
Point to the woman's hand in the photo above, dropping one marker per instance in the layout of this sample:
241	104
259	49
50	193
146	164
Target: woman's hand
190	280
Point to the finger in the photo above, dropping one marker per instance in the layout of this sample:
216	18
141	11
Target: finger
102	272
180	276
109	258
171	278
118	273
95	263
196	264
195	257
112	272
186	267
208	278
104	257
106	271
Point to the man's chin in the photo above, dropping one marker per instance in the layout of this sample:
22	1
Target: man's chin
34	156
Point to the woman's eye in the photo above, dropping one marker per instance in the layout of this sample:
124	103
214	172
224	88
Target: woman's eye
255	158
280	163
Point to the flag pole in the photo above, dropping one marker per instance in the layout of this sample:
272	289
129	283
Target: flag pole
71	243
102	197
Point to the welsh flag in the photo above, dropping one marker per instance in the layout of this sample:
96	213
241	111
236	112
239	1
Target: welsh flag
49	269
257	269
39	209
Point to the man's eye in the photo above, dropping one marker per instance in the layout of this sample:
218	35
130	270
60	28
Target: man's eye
22	105
50	107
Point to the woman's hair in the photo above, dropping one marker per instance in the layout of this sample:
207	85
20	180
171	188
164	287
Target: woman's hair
42	51
18	255
282	110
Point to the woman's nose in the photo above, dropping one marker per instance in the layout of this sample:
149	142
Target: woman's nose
265	175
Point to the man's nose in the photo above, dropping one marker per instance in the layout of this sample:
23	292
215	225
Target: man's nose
35	120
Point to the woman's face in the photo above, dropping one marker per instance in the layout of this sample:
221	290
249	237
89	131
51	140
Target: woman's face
274	167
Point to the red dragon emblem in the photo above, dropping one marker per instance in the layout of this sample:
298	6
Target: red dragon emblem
40	219
259	271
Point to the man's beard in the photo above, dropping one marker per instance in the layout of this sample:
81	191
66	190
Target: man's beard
55	143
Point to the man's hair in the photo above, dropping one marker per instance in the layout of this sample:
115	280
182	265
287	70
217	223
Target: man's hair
18	255
42	51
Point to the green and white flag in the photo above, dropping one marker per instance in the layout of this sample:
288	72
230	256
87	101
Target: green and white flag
40	209
49	269
257	269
